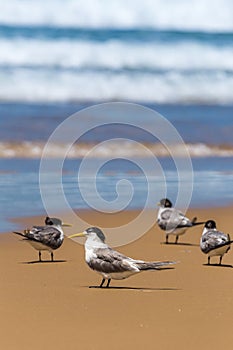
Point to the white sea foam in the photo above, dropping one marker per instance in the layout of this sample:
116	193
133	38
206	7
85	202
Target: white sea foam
208	15
66	70
114	54
127	149
170	87
180	69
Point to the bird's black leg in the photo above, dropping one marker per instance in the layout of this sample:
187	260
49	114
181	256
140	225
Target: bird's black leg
39	255
208	260
177	237
101	284
51	256
220	260
109	280
166	239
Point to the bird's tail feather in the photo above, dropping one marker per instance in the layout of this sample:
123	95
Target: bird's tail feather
198	223
195	223
154	265
225	243
194	220
19	233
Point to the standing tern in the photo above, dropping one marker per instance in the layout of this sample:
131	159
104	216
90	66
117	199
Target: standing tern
172	220
49	237
214	242
110	263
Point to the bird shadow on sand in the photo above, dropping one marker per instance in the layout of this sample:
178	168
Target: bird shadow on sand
181	244
43	262
217	265
132	288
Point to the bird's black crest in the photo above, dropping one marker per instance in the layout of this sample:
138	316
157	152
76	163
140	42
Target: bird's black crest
48	221
97	231
52	221
165	202
210	224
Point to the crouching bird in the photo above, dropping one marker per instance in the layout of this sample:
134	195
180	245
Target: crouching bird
110	263
214	242
49	237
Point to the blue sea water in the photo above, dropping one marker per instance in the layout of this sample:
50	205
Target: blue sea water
175	57
19	177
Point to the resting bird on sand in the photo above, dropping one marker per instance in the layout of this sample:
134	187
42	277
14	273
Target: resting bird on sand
49	237
214	242
108	262
173	221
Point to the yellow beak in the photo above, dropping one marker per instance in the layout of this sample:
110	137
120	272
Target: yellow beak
66	225
82	234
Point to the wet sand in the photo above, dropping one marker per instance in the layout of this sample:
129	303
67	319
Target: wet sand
50	305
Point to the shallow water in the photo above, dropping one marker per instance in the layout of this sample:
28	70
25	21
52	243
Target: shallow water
20	192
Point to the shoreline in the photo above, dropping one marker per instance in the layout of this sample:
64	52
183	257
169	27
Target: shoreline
113	220
169	309
39	218
104	219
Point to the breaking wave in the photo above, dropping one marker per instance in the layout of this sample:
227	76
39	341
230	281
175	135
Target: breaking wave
34	150
208	15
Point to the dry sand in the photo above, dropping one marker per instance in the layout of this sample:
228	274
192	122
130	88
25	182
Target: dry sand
50	305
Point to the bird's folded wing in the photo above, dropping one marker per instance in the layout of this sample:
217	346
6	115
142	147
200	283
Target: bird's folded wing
212	240
110	261
37	228
153	265
175	219
49	236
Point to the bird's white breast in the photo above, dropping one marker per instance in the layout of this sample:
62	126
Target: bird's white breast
89	253
39	246
120	275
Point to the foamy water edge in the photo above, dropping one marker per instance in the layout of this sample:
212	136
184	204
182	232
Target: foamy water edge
34	150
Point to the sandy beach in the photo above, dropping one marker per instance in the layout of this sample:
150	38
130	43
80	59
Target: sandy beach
50	305
114	105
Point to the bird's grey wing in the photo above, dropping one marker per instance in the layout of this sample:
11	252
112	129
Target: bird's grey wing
212	240
180	219
172	218
49	236
37	228
153	265
108	260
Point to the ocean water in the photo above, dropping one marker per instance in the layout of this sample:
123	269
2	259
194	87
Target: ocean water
152	51
206	130
174	57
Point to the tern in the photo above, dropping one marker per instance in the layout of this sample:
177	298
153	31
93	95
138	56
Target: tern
172	220
110	263
49	237
214	242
